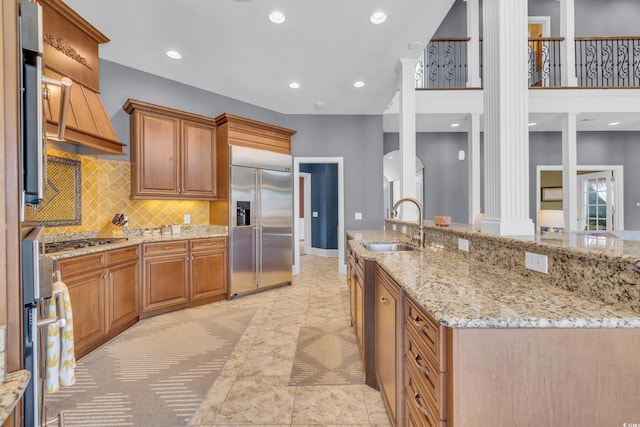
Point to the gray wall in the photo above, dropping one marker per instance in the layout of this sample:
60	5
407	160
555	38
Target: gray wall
357	139
446	189
119	83
594	148
592	17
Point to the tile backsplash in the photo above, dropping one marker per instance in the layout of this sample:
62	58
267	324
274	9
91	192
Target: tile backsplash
106	191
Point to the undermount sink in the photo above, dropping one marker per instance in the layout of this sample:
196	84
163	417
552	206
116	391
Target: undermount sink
388	247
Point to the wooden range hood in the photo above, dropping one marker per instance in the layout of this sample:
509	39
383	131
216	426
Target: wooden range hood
71	50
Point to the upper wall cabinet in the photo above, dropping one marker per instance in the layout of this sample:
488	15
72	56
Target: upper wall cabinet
173	153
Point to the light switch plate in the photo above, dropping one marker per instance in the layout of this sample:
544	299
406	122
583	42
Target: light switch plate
315	214
463	245
358	215
187	219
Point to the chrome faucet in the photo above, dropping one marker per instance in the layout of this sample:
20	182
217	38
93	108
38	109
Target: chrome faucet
394	213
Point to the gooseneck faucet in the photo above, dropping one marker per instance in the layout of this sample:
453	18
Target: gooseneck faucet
394	213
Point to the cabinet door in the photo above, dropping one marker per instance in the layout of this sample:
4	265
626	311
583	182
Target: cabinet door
87	296
387	341
122	292
157	158
199	176
165	282
208	274
359	300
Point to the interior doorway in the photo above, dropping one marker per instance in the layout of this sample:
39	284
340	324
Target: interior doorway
339	161
600	195
538	28
304	220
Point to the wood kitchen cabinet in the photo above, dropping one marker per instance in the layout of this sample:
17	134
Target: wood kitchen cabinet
425	368
165	285
209	270
388	343
173	153
103	288
183	273
360	277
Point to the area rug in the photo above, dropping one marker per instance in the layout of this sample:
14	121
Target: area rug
327	355
155	374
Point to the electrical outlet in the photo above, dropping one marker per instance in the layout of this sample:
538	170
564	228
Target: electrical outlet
187	219
463	245
536	262
393	226
404	229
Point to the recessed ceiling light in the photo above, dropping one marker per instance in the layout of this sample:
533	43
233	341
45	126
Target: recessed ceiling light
455	125
532	124
358	84
614	123
174	54
378	17
294	85
416	44
319	105
277	17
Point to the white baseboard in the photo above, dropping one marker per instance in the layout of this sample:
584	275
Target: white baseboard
323	252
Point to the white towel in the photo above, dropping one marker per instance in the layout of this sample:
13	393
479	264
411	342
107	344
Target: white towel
61	359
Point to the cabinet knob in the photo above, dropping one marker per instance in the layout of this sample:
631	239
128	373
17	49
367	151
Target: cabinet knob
424	369
421	325
384	300
424	410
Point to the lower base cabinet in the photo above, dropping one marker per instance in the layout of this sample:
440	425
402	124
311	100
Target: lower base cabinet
388	343
183	273
103	289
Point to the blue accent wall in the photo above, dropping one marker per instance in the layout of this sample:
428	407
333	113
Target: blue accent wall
324	200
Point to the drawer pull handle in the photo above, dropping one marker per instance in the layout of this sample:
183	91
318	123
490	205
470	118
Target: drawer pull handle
424	410
424	369
421	325
167	248
384	300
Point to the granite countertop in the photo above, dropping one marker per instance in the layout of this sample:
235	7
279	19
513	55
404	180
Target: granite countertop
11	390
133	241
459	292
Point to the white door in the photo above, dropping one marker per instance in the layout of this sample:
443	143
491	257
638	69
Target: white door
597	201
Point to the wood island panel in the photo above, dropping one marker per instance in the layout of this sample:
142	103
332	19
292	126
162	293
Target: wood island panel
543	377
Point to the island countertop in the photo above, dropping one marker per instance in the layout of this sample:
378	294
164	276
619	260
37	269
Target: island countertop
459	292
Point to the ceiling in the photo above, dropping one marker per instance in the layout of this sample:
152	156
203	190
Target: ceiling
230	47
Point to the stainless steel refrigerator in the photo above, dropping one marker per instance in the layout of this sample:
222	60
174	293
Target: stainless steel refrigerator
261	219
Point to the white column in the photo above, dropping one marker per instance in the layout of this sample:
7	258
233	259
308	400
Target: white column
473	155
506	110
569	171
407	67
568	49
473	46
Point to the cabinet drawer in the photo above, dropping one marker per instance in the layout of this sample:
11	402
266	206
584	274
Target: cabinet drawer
426	330
423	369
161	248
81	264
122	255
209	243
420	409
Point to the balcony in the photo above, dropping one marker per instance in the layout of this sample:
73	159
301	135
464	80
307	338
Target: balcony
600	62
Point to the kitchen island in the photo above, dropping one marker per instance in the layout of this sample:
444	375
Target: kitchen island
478	344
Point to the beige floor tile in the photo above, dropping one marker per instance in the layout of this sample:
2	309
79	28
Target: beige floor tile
269	360
210	407
375	406
330	405
258	400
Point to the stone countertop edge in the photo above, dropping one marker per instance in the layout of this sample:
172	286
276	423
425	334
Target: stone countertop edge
461	293
133	241
553	241
11	390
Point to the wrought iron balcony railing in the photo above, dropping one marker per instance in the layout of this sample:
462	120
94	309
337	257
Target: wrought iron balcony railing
599	62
